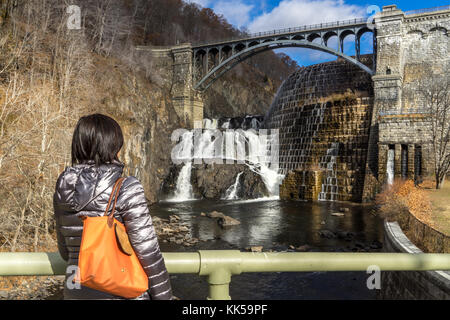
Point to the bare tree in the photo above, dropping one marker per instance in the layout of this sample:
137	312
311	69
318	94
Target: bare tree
434	92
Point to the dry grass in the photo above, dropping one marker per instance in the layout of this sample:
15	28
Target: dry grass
403	196
440	200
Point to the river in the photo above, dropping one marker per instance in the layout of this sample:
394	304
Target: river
276	225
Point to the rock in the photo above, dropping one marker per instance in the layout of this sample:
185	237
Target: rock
211	181
322	223
327	234
376	245
4	295
256	248
167	230
226	221
347	236
203	214
215	214
303	248
291	247
337	214
359	244
183	229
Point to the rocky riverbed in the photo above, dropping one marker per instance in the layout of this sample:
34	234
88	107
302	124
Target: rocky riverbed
31	288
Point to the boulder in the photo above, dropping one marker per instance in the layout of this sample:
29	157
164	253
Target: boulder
215	214
227	221
337	214
211	181
256	249
303	248
327	234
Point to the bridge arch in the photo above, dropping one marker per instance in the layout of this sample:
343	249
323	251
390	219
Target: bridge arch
239	56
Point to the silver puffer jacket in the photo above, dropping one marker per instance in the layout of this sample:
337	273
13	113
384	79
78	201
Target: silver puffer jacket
84	190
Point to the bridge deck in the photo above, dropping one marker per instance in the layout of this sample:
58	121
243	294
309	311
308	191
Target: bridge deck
357	22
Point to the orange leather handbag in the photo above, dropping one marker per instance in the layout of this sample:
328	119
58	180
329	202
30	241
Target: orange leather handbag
107	261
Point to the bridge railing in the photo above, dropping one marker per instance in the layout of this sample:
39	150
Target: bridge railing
219	265
289	30
425	10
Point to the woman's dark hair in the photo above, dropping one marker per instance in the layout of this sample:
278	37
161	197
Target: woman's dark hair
96	138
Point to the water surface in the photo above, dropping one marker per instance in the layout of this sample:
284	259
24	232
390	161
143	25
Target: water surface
276	225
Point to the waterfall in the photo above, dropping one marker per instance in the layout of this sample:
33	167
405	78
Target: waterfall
330	185
249	147
184	186
183	153
258	159
390	166
231	193
226	124
210	124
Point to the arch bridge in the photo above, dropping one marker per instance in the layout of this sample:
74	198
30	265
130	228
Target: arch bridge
211	60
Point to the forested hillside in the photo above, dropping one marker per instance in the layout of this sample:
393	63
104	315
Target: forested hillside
50	76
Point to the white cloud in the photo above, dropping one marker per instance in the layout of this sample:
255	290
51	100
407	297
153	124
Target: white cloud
294	13
236	11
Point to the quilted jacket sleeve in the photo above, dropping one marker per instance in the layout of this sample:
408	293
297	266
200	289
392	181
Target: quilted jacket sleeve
62	247
138	222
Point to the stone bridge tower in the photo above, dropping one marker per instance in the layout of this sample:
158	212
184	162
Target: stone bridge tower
411	46
175	65
187	102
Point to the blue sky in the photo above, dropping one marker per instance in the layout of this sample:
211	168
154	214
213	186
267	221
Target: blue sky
264	15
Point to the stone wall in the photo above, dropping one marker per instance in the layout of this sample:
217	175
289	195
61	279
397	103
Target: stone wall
423	285
302	185
422	235
411	132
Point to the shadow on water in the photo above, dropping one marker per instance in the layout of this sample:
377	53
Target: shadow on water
276	225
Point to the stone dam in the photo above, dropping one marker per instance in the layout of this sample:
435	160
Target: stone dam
323	115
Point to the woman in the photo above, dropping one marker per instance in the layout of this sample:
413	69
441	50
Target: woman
84	189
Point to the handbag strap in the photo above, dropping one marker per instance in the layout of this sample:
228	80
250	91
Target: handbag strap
114	195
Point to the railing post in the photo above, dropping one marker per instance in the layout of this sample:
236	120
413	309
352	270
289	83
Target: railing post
219	284
219	266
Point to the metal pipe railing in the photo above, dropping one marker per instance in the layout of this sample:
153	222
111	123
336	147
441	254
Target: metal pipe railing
256	35
220	265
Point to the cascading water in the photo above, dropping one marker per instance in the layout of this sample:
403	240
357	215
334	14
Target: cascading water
184	186
258	157
329	164
183	190
255	149
390	166
232	192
